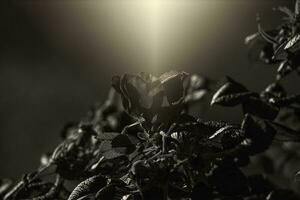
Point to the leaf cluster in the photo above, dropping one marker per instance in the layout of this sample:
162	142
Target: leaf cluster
143	144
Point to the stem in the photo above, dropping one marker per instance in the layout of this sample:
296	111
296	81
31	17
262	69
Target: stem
23	182
163	139
154	156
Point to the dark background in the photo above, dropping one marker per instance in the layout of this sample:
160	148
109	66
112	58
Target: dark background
57	59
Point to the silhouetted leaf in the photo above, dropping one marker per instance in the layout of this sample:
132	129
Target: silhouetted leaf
111	154
293	44
110	192
214	125
229	180
258	134
202	191
259	184
90	185
122	141
285	101
196	88
177	192
172	83
288	12
231	137
260	108
267	164
284	133
280	53
149	98
107	135
274	90
267	54
230	94
284	69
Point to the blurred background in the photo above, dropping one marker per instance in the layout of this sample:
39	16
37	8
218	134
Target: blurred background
57	59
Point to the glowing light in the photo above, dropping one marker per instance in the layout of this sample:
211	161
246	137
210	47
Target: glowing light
144	35
163	24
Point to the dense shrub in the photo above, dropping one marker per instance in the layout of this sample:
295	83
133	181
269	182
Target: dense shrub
142	143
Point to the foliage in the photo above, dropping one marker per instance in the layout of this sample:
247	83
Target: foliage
150	147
